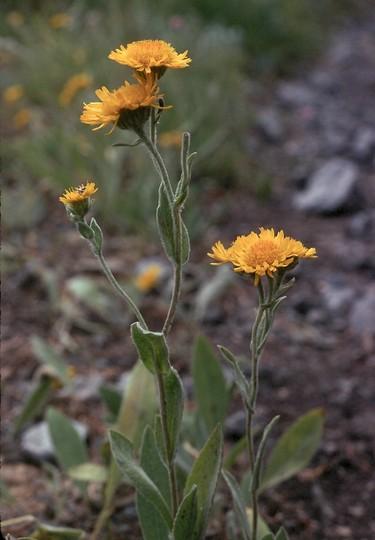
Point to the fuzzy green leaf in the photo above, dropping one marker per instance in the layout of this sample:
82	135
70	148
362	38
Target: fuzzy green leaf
111	398
209	384
35	402
152	524
88	472
204	475
51	532
186	517
164	221
281	534
152	348
294	449
238	502
122	452
262	528
174	393
69	448
185	244
54	363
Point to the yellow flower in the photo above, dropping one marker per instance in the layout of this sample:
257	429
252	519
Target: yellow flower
72	86
15	19
260	254
169	139
78	194
149	277
150	55
13	93
22	118
127	107
59	20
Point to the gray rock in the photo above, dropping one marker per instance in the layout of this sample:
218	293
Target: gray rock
295	94
362	224
270	125
332	188
337	295
363	147
83	387
362	317
36	442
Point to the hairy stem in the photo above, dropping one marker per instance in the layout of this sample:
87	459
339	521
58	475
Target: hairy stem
167	446
113	281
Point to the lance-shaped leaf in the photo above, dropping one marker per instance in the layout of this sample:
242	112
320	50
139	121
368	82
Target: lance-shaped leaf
239	504
174	394
54	363
294	449
152	348
281	534
122	452
35	402
69	448
164	220
186	517
262	528
240	379
209	384
152	523
51	532
204	475
185	244
89	472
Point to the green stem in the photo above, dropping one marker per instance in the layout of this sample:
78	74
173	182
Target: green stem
177	227
113	281
168	452
250	409
159	164
177	278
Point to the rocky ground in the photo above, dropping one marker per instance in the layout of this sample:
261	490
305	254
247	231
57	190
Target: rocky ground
315	137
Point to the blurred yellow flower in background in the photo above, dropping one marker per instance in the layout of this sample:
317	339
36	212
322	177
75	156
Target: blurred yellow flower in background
15	19
169	139
78	194
13	93
262	253
114	106
22	118
72	87
59	20
148	277
150	55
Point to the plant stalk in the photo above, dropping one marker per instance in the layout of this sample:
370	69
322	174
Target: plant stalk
113	281
168	453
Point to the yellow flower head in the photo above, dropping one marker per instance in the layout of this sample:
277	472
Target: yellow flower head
72	86
78	194
15	19
127	107
150	55
13	93
261	254
148	277
59	20
22	118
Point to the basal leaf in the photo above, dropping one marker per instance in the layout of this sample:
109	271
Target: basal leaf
122	452
204	475
209	384
294	449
